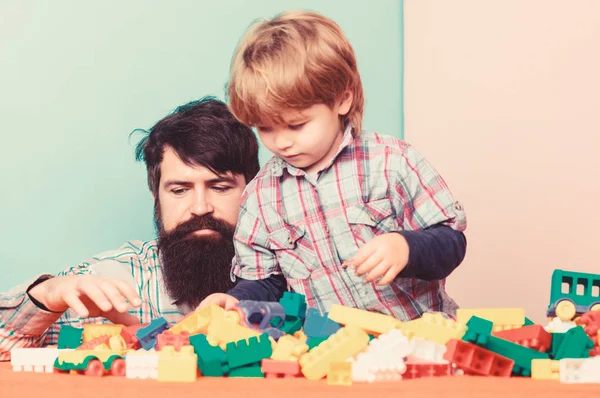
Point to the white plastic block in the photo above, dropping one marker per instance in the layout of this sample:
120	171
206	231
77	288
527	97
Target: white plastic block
578	370
141	364
33	359
427	351
556	325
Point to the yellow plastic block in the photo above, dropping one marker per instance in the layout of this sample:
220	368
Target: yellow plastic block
194	323
301	336
93	331
221	332
545	369
434	327
343	344
178	366
498	316
289	348
371	322
340	374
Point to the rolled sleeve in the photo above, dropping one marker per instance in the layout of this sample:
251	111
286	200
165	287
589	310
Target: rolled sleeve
423	197
253	259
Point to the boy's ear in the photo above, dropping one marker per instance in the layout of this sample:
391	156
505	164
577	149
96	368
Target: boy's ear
345	103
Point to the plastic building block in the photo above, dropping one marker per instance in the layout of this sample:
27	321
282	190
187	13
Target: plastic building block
434	327
521	355
528	322
502	318
147	335
340	374
294	305
475	360
91	362
374	366
211	360
242	353
92	331
393	343
372	323
319	325
33	359
128	334
193	323
545	369
167	338
345	343
274	369
556	325
579	297
141	365
177	366
221	332
313	342
573	370
259	314
426	350
291	325
421	370
533	336
478	330
69	337
575	344
247	371
289	348
100	342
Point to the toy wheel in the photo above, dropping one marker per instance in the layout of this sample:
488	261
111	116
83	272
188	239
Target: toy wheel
94	368
595	307
565	310
118	367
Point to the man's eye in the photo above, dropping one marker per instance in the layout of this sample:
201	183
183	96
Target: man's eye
179	191
221	189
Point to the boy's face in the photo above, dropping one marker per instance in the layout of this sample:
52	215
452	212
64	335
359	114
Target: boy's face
309	138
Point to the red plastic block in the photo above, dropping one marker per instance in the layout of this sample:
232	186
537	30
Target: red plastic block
167	338
94	343
280	369
420	370
533	336
475	360
128	334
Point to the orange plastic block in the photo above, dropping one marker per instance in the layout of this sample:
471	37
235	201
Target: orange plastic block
532	336
343	344
420	370
167	338
280	369
474	360
128	334
92	344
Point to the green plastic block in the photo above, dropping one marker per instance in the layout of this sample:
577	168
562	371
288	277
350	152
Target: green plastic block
371	337
518	353
253	370
242	352
557	339
528	322
211	360
69	337
312	342
290	326
575	344
478	330
294	304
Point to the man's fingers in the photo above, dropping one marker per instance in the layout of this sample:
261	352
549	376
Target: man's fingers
74	302
121	318
129	292
113	294
90	289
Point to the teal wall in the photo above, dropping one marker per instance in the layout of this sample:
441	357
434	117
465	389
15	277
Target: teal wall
77	77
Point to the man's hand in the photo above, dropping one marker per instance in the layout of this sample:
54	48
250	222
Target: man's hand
386	255
89	296
221	299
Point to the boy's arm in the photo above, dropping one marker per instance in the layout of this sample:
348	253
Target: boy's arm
432	221
254	264
434	252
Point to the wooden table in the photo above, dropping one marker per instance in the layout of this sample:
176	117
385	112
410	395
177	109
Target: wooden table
43	385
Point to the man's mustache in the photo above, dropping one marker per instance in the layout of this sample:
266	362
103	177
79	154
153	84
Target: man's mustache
197	223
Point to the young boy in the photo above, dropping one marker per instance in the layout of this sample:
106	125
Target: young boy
347	216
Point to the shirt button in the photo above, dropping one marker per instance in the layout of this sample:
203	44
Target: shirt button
372	218
290	241
458	206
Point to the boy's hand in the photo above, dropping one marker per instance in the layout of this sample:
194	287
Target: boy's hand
221	299
385	255
89	296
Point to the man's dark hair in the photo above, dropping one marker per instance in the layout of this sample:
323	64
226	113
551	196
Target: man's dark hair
204	133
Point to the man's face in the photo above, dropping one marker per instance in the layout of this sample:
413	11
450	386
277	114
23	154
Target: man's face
196	212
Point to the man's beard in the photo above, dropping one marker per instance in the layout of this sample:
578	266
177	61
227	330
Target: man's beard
196	266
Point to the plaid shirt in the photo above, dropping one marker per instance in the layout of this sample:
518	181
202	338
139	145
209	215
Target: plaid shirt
23	324
305	226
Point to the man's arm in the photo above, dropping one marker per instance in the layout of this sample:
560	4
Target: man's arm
30	318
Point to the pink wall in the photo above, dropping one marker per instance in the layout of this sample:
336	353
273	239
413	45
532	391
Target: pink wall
504	98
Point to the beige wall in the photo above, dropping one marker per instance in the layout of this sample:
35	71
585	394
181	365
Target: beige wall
503	97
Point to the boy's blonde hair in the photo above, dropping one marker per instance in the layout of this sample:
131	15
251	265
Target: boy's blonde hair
293	61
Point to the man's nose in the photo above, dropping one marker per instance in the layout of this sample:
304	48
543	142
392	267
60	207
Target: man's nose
202	205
